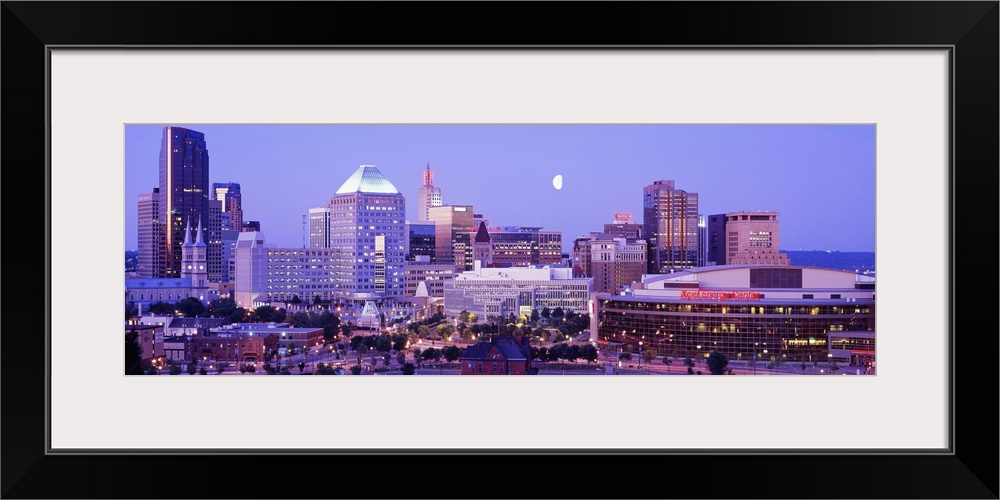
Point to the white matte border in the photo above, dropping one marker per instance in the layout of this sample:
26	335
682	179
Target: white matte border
905	93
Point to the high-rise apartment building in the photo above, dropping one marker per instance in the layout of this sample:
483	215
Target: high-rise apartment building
752	238
670	227
319	227
232	203
367	230
428	196
184	190
453	233
150	235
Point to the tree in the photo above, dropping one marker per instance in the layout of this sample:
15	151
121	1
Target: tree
151	370
409	369
589	352
133	353
689	362
431	353
175	369
572	353
401	357
463	316
192	367
534	315
557	313
266	314
162	308
543	354
386	358
423	331
473	318
191	307
222	308
717	363
296	299
302	366
382	343
317	300
546	312
625	356
203	371
239	314
834	366
355	370
219	368
648	355
451	353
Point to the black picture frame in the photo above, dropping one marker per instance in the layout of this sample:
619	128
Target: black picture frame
970	29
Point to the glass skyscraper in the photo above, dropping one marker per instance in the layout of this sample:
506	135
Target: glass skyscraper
184	191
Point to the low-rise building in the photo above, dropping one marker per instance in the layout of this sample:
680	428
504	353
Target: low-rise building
516	290
497	357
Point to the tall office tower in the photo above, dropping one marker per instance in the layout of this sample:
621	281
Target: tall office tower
752	238
150	235
367	226
232	203
319	227
428	196
250	226
453	233
624	228
420	240
616	263
183	189
214	235
670	227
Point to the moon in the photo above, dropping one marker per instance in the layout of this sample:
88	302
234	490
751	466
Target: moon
557	181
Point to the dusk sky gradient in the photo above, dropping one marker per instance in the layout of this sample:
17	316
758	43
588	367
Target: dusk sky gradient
820	178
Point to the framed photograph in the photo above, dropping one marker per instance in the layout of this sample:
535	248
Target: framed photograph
916	83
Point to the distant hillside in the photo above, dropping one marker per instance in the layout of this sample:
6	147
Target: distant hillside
863	262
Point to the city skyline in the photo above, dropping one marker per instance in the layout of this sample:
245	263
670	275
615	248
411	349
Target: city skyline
806	173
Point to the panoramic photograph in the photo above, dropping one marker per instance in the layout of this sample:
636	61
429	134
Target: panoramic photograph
576	249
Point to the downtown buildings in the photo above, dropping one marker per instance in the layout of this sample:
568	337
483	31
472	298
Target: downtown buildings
428	196
357	250
515	290
183	195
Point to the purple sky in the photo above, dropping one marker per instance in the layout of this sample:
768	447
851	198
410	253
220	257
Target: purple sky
820	178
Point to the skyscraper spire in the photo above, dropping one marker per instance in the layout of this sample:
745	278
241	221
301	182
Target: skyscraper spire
187	233
200	240
428	176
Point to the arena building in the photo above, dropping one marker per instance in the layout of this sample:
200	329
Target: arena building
760	312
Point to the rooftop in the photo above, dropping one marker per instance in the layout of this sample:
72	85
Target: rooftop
367	179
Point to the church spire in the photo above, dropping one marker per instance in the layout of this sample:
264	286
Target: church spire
187	233
200	240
